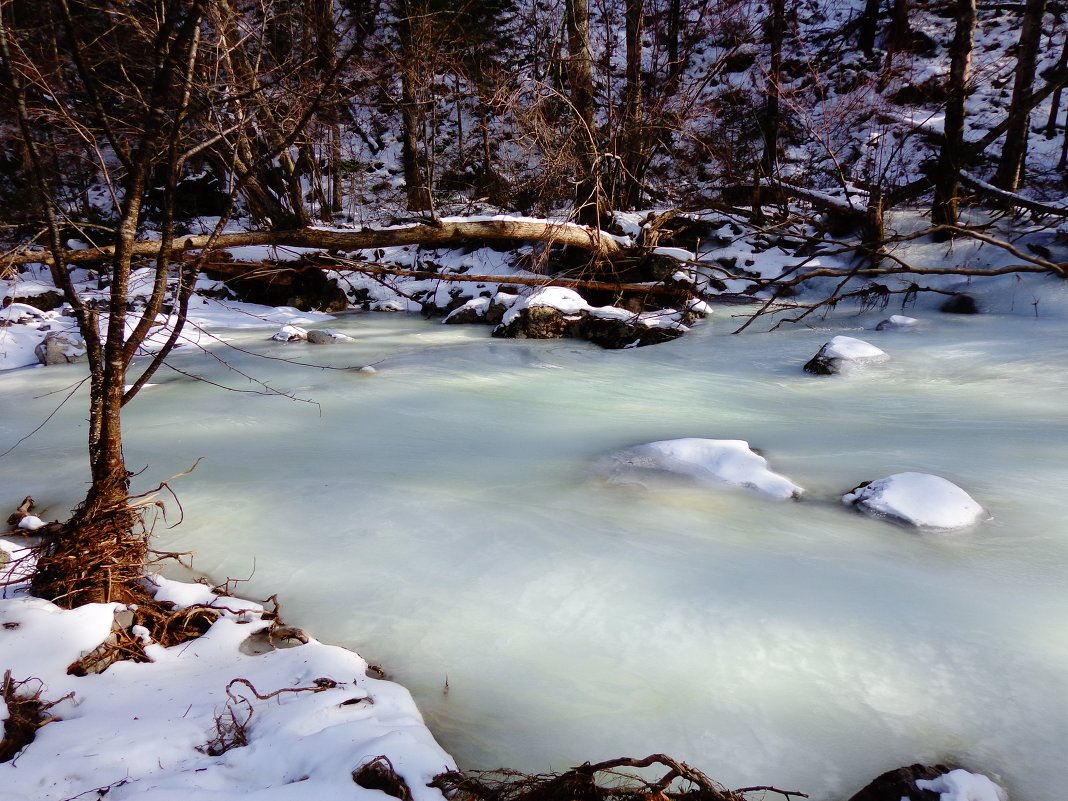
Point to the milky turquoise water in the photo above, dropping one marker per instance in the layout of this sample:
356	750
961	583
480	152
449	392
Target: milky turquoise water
440	517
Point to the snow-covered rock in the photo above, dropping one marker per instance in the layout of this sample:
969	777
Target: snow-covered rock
555	312
897	321
706	462
326	336
900	784
489	311
840	351
290	333
59	347
917	499
960	785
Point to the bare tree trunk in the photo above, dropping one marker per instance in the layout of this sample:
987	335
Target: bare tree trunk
771	121
899	34
1055	101
413	120
632	152
868	27
947	172
580	78
674	32
1013	153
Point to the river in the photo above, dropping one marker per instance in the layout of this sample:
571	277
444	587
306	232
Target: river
441	517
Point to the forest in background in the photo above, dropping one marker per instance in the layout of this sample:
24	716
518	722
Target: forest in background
356	112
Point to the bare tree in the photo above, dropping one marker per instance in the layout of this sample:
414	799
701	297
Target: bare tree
947	172
126	78
1010	167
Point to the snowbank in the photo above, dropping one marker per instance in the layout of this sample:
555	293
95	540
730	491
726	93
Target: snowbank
960	785
706	462
918	499
141	728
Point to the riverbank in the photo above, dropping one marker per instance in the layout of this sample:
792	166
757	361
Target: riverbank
233	713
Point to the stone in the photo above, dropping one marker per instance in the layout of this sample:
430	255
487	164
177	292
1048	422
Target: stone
916	499
897	321
536	322
842	351
900	784
60	348
290	333
613	334
326	336
960	304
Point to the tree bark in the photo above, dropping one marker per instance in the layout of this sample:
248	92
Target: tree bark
580	80
770	124
415	173
632	152
445	232
1013	153
951	158
868	27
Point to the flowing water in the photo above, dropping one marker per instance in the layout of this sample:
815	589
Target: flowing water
440	516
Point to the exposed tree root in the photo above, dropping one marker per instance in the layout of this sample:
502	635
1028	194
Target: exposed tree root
26	713
98	557
596	782
379	774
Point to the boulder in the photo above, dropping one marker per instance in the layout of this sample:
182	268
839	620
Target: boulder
59	347
536	322
900	784
326	336
614	333
290	333
916	499
842	351
44	301
897	321
487	311
960	304
555	312
705	462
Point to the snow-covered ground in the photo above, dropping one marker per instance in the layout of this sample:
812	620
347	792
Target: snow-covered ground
191	722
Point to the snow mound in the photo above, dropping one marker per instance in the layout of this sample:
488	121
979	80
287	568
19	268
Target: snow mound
960	785
290	333
166	728
706	462
567	301
851	349
918	499
897	321
842	351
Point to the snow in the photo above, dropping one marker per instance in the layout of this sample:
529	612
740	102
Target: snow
919	499
567	301
960	785
897	321
290	333
851	349
142	728
31	523
706	462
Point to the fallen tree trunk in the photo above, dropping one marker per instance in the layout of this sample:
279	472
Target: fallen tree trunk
445	232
